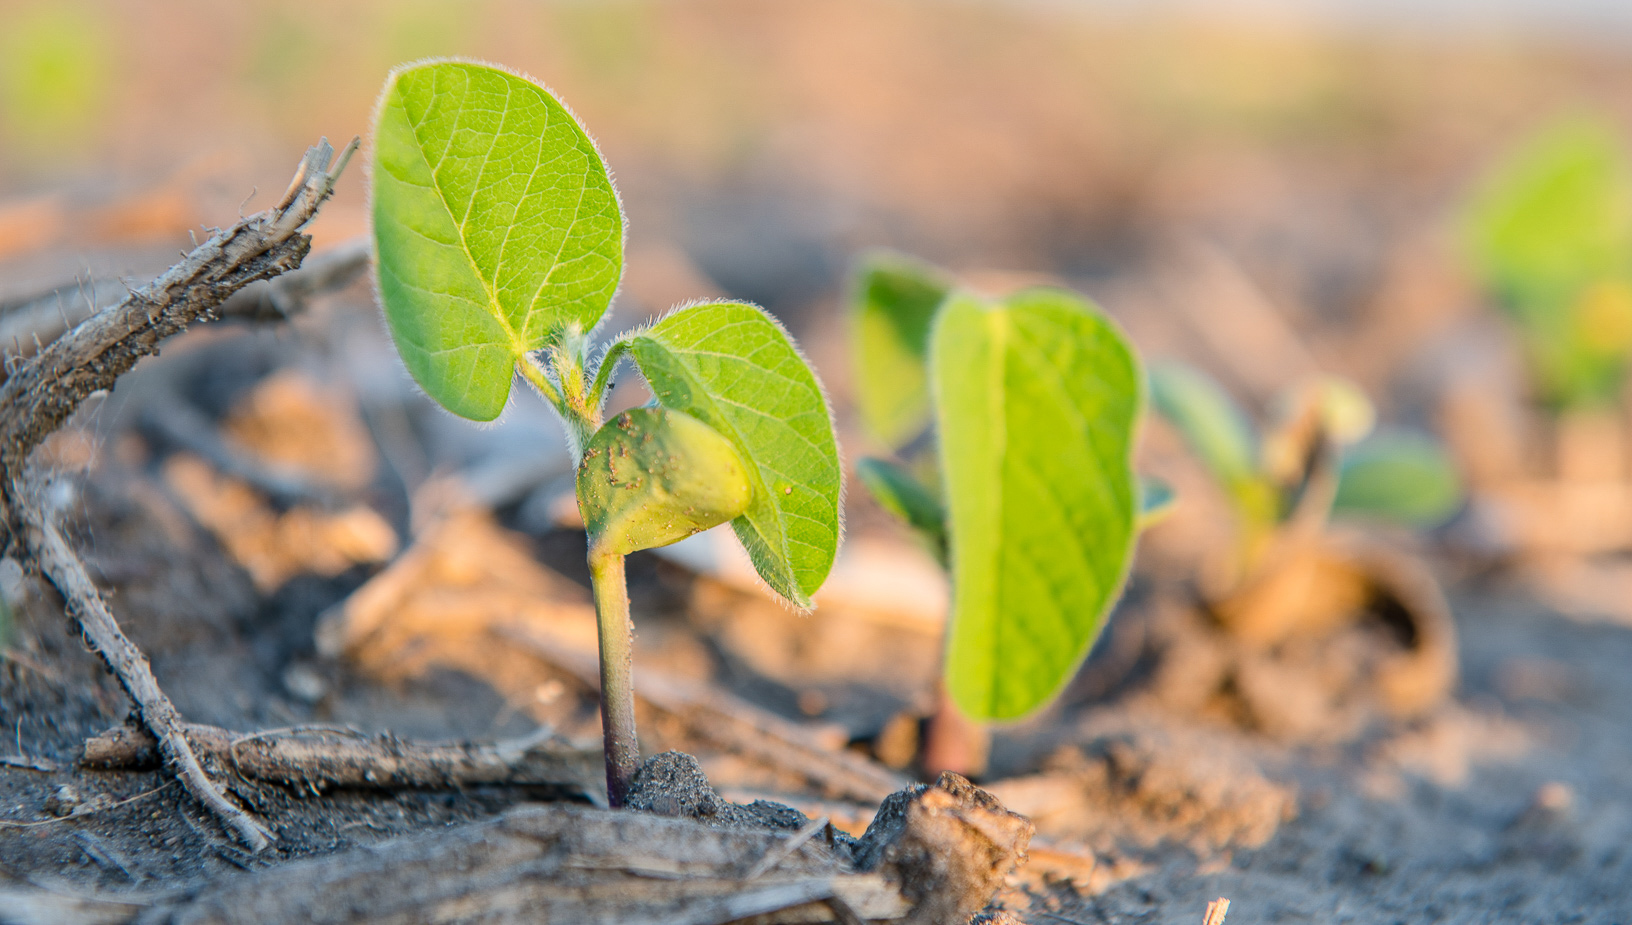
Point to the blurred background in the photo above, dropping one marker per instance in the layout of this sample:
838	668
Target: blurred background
1324	148
1267	189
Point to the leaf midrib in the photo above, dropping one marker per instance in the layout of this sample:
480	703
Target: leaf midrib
997	321
517	348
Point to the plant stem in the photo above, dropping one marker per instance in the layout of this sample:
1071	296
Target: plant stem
581	413
953	742
617	685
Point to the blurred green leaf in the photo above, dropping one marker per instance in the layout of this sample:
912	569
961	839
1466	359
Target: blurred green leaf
1039	396
893	309
54	74
495	227
1550	235
1407	478
1555	216
1209	420
896	491
1218	432
733	367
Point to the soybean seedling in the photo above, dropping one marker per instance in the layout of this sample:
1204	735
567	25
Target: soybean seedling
1550	237
1026	493
1320	461
499	243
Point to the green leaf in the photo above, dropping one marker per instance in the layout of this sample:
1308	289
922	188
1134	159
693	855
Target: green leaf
1407	478
495	227
896	491
1209	420
733	367
652	476
1555	216
1219	433
891	313
1038	400
1550	234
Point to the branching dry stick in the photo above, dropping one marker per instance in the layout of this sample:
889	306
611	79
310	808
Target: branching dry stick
84	603
935	855
29	324
282	299
43	392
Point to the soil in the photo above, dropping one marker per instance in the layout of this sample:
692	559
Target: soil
1509	802
1511	805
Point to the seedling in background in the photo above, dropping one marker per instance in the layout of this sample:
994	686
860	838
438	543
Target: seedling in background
1027	492
1550	236
499	244
1315	464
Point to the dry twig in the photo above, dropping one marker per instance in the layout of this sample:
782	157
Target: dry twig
43	392
27	325
316	759
550	862
85	809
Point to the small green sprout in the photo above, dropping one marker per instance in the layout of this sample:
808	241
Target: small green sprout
1320	461
1034	399
1550	236
499	243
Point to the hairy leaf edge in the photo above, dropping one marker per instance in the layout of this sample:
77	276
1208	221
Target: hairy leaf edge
368	211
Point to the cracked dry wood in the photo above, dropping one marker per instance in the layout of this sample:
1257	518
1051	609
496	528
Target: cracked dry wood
44	391
934	857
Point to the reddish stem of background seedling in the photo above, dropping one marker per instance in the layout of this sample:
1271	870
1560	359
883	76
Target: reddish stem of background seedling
952	742
617	683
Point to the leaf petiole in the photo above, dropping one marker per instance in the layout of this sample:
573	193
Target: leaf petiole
533	372
581	423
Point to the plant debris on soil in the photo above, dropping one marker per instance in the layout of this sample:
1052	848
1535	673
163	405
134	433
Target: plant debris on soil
1510	795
